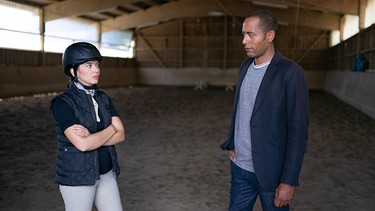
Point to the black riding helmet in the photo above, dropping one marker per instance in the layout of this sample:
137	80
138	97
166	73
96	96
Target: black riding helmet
78	53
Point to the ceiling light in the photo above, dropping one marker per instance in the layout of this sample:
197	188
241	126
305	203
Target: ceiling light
282	23
269	4
215	13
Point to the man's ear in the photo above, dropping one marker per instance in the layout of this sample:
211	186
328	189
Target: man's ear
270	36
72	72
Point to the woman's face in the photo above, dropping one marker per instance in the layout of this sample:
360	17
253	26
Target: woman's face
88	72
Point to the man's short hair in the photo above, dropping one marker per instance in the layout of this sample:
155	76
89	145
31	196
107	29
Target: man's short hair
268	21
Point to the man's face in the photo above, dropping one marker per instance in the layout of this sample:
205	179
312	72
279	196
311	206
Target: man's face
255	40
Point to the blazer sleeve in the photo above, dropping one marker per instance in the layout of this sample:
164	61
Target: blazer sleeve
298	122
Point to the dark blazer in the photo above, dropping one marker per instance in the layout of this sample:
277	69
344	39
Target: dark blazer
279	122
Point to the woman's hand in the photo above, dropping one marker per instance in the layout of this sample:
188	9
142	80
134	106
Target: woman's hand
80	130
119	135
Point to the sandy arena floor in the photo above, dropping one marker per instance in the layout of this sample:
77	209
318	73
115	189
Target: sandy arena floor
171	160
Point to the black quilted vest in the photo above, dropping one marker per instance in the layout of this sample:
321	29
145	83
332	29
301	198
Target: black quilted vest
74	167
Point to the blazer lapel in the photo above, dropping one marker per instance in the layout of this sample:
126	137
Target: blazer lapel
271	70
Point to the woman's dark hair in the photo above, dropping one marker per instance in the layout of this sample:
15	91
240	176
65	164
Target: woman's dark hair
268	21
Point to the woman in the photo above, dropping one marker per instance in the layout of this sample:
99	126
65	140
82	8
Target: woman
87	127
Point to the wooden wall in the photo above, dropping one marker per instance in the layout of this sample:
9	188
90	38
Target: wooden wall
12	57
32	72
341	57
180	52
354	87
216	42
209	50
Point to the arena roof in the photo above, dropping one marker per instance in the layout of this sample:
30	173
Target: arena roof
133	14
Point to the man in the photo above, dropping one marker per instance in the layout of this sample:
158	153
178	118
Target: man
269	128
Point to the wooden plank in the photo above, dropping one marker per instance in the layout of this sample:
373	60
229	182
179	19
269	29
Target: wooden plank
149	47
323	34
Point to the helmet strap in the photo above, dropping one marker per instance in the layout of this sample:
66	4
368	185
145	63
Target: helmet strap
75	69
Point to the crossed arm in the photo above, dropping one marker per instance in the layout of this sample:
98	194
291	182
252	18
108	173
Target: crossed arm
83	140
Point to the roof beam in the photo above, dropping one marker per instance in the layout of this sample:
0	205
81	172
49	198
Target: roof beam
310	19
306	17
191	8
72	8
331	6
168	11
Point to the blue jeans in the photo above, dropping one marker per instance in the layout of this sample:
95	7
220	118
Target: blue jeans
245	189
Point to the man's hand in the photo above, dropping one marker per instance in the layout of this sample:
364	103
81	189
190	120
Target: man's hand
284	195
232	155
